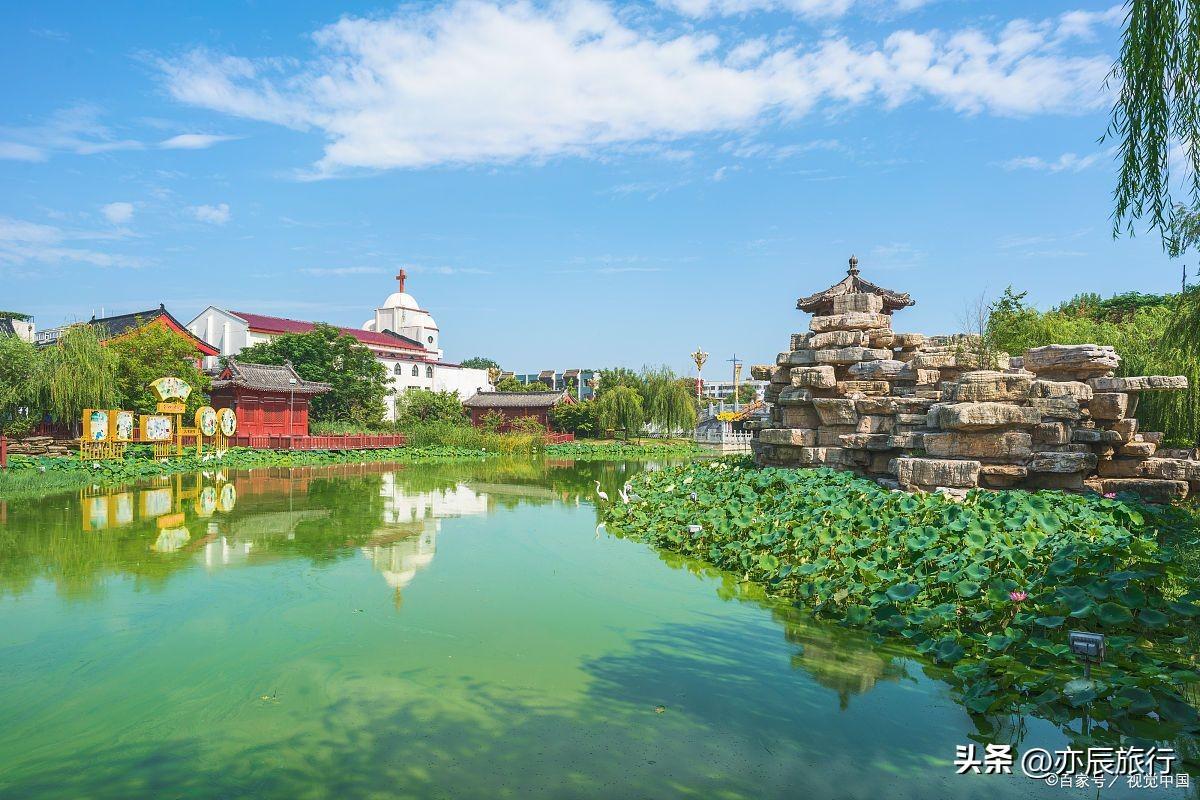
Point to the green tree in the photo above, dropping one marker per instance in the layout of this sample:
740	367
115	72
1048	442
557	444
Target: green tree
1141	335
326	354
615	377
746	393
153	352
1157	113
77	372
421	405
620	408
511	384
479	362
674	408
18	360
576	418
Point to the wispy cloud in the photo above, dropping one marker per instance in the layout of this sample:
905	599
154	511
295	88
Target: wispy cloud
895	255
341	271
1015	241
578	79
79	130
194	141
28	244
15	151
1067	162
118	213
217	214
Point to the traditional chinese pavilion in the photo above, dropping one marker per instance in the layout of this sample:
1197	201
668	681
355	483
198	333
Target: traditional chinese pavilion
515	405
267	398
821	303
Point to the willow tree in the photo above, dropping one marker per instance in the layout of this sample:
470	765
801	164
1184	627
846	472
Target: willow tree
1156	117
620	408
673	407
78	372
17	360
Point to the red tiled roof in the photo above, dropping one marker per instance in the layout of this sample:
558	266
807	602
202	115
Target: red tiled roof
262	322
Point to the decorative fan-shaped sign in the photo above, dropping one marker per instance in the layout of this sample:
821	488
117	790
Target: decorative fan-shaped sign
171	389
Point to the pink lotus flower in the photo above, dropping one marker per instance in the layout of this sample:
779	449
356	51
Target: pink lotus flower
1110	495
1018	596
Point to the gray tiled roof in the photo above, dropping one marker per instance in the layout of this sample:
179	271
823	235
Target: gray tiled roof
513	399
267	377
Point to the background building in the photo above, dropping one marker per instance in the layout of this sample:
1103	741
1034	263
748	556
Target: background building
410	353
723	390
515	405
579	382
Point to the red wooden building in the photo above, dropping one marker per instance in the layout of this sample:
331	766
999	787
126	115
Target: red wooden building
515	405
267	399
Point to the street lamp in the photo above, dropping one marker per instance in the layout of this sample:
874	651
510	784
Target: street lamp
699	357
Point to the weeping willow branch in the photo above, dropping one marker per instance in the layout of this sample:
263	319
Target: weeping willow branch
1157	110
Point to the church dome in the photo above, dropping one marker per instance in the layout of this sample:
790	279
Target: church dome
400	300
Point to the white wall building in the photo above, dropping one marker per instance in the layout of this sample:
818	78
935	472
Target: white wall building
402	335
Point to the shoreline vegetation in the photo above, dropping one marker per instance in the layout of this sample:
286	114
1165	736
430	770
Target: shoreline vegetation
32	476
986	588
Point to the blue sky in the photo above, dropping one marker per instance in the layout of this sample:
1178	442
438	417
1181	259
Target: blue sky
569	184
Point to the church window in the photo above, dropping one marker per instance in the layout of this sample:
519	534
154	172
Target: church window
416	371
396	370
429	372
429	339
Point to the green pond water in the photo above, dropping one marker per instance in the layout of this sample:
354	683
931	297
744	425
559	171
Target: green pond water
436	631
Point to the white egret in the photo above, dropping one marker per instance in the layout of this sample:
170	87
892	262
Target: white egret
600	493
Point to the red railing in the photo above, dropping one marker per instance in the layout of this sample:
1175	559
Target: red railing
274	441
559	438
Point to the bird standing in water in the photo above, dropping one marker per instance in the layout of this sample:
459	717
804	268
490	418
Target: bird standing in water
600	493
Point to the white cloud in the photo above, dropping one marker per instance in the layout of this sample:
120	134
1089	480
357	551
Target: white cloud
809	9
1067	162
25	243
118	213
476	82
15	151
340	271
895	255
217	215
194	141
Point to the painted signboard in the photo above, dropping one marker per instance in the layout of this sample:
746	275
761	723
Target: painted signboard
156	428
227	420
122	425
206	420
95	425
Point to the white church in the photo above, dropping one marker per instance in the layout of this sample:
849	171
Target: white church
402	335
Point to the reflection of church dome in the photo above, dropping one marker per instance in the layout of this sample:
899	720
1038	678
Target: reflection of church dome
400	300
399	579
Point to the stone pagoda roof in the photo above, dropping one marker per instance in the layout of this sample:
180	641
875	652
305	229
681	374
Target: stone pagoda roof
821	303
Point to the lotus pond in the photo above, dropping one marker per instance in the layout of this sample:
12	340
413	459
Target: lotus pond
442	630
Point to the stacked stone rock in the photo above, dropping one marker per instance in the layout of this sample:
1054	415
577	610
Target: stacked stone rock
41	446
921	413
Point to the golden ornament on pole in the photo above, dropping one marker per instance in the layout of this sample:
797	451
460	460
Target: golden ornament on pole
699	357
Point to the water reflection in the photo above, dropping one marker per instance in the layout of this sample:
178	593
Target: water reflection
216	520
446	695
